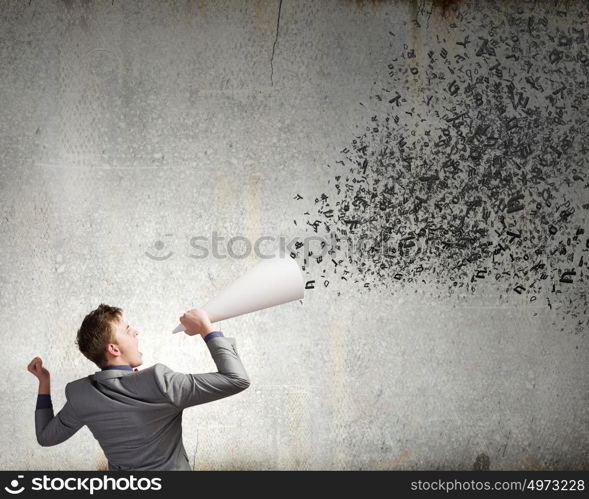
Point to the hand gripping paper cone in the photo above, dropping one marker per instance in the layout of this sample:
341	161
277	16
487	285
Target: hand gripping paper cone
272	281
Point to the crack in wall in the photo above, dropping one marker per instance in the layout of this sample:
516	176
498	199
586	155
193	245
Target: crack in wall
274	45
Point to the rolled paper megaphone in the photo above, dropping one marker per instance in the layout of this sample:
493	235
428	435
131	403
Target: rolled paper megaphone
272	281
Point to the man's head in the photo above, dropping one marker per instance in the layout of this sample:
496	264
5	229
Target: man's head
106	339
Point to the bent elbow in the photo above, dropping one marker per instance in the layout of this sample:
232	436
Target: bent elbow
43	442
241	383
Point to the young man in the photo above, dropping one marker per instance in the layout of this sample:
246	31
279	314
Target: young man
136	416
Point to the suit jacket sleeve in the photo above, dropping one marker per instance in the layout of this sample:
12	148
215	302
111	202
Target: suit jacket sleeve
185	390
52	430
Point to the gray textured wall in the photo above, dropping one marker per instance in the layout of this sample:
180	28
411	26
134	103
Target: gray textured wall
450	138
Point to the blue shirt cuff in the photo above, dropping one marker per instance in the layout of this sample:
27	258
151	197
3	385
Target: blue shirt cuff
44	401
212	334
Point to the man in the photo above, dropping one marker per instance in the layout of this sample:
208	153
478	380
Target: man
136	416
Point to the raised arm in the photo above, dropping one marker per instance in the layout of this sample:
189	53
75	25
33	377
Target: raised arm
50	429
185	390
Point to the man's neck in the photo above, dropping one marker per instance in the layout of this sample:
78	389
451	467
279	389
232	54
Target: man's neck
117	366
116	361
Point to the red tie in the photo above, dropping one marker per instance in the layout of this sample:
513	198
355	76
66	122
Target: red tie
135	369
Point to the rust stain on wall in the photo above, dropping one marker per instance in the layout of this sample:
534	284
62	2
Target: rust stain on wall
442	5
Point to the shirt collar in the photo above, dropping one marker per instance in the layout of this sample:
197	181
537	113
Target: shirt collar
126	368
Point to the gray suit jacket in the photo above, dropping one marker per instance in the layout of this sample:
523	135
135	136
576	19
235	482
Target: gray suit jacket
137	416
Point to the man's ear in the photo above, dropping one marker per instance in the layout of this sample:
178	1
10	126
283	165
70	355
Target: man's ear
113	349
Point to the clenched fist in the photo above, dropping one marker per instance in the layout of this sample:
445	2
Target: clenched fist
196	321
36	367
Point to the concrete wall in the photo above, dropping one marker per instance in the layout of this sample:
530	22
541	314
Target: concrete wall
449	138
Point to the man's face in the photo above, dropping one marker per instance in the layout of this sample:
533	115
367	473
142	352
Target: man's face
128	344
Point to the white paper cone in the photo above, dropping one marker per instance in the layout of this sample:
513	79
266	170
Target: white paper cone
271	282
